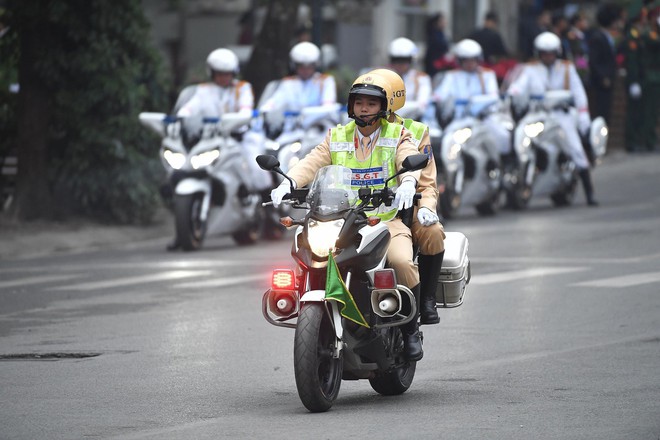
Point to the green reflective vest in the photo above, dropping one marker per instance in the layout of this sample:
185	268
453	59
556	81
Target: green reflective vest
374	171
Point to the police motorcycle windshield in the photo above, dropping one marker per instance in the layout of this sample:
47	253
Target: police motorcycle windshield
192	129
331	193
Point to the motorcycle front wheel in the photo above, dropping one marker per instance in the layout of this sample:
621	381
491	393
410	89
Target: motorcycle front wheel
397	380
190	229
251	232
318	374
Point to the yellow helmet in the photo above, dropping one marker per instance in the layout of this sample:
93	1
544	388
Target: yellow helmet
396	84
371	85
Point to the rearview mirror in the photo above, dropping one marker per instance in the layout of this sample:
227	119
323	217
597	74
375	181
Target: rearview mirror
415	162
267	162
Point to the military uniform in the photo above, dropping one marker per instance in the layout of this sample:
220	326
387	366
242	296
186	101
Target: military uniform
650	67
634	106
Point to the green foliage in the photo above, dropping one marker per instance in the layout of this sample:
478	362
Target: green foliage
96	60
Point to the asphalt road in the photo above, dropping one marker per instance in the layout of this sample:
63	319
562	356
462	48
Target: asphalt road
558	338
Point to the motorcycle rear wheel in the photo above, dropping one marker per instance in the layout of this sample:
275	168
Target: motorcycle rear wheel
318	374
399	379
190	229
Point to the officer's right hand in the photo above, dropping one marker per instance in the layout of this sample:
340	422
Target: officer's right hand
277	194
635	90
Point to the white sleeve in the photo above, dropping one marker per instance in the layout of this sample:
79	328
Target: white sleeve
444	90
519	85
577	89
329	94
245	97
424	91
490	83
193	106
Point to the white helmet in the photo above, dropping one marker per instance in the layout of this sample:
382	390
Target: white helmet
402	48
468	48
547	42
305	53
222	60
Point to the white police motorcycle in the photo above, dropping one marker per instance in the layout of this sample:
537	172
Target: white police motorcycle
469	164
209	177
550	170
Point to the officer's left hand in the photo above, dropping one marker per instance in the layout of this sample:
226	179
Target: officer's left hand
403	198
427	217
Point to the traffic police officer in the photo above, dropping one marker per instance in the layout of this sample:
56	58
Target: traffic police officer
554	74
427	231
370	141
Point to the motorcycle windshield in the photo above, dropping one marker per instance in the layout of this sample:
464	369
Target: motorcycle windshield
331	191
191	130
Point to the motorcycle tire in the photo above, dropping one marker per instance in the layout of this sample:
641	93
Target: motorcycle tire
190	229
397	380
565	196
449	201
253	228
518	196
490	206
318	374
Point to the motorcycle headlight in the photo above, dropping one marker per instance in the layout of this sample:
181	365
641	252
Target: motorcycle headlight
175	160
292	161
461	136
323	235
204	159
534	129
454	152
295	147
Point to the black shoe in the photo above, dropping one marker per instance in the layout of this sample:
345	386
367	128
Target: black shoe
585	176
412	346
428	312
173	245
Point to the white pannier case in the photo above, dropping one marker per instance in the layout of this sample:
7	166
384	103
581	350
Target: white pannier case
455	271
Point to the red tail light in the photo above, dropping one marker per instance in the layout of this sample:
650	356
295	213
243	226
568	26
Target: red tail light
384	279
283	279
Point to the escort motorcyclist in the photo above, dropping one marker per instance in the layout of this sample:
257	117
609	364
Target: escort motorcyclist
371	143
224	94
427	231
551	73
403	53
308	87
471	79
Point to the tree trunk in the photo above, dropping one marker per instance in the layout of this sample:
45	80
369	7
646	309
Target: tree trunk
270	56
33	196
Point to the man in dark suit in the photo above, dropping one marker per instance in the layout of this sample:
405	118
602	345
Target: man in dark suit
602	58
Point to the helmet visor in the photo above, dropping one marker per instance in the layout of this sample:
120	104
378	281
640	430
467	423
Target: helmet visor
367	89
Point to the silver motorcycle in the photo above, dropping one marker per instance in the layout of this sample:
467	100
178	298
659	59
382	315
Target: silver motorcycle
209	178
469	164
550	170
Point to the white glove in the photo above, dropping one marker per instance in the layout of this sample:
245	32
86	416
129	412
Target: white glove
404	194
584	122
635	90
277	194
427	217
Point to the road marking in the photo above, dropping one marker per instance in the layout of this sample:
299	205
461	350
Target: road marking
623	281
173	275
503	277
222	282
35	280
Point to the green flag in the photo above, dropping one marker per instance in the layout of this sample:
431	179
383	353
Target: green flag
336	290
